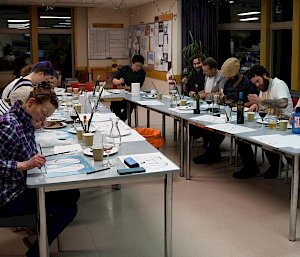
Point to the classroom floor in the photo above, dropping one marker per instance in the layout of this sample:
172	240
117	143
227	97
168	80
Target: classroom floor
214	215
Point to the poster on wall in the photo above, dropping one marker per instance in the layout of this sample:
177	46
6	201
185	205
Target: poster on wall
151	60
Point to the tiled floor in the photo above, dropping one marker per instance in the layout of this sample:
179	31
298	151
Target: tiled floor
215	215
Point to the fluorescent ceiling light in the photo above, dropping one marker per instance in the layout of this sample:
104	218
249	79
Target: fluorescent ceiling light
231	2
54	17
247	13
250	19
18	25
16	21
61	26
65	23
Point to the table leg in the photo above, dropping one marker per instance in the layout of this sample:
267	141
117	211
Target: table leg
128	114
182	145
168	192
43	238
294	200
188	151
148	118
163	125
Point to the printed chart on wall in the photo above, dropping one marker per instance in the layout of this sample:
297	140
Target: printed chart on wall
66	165
152	162
153	41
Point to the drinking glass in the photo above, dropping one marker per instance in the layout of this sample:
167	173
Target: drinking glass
209	99
108	143
73	116
262	113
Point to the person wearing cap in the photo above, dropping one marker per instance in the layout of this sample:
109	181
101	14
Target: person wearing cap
128	74
276	98
235	83
41	71
195	77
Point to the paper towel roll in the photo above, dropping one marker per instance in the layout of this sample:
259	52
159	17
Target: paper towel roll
135	89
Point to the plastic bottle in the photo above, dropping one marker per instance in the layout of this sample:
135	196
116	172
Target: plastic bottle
240	109
196	100
296	121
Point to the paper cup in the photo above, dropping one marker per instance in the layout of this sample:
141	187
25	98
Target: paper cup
79	132
97	153
78	107
159	96
283	125
251	116
88	138
183	102
135	89
69	89
75	90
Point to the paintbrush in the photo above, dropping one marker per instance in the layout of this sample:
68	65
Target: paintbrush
155	87
79	118
98	101
97	84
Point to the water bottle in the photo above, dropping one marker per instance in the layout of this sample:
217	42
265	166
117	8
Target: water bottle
296	121
196	100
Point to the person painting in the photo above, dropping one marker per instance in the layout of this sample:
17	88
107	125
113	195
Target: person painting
128	74
41	71
18	154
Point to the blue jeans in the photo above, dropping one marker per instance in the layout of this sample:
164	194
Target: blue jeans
61	209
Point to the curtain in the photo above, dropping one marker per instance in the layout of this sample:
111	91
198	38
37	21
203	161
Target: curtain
200	17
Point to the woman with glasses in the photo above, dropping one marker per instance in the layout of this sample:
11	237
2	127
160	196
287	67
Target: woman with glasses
18	153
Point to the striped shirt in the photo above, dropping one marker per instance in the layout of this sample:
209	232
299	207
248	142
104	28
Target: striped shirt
4	106
17	144
14	85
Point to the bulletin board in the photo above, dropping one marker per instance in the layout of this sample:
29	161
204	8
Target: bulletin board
153	41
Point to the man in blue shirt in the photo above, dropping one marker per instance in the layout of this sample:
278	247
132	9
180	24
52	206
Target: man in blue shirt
128	74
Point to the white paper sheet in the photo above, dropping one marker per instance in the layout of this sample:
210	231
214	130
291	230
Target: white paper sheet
150	102
231	128
278	140
181	111
210	118
66	148
152	162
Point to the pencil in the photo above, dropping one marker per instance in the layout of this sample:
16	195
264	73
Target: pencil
92	172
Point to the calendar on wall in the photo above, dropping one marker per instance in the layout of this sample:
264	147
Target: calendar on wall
108	44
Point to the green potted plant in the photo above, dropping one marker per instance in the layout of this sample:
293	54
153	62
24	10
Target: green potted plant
190	51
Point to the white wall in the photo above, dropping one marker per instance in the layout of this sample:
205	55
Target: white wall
141	15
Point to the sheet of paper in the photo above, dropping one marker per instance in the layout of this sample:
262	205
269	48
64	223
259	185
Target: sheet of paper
150	102
210	118
67	165
100	116
181	111
278	140
66	148
231	128
152	162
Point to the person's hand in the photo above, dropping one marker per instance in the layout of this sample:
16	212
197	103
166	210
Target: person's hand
254	99
36	161
191	94
121	81
253	108
291	119
184	80
202	95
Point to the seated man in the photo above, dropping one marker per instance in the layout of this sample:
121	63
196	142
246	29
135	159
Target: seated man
195	77
276	98
236	82
128	74
18	153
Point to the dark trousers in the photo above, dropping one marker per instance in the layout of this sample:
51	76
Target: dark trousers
248	158
61	209
120	109
214	141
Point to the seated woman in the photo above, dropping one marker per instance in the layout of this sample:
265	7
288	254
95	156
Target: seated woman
18	153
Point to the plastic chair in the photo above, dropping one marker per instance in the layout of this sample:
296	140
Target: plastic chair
153	136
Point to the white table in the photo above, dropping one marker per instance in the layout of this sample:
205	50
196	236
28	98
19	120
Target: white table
108	177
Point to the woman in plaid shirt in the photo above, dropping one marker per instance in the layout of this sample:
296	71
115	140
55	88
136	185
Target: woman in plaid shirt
18	153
